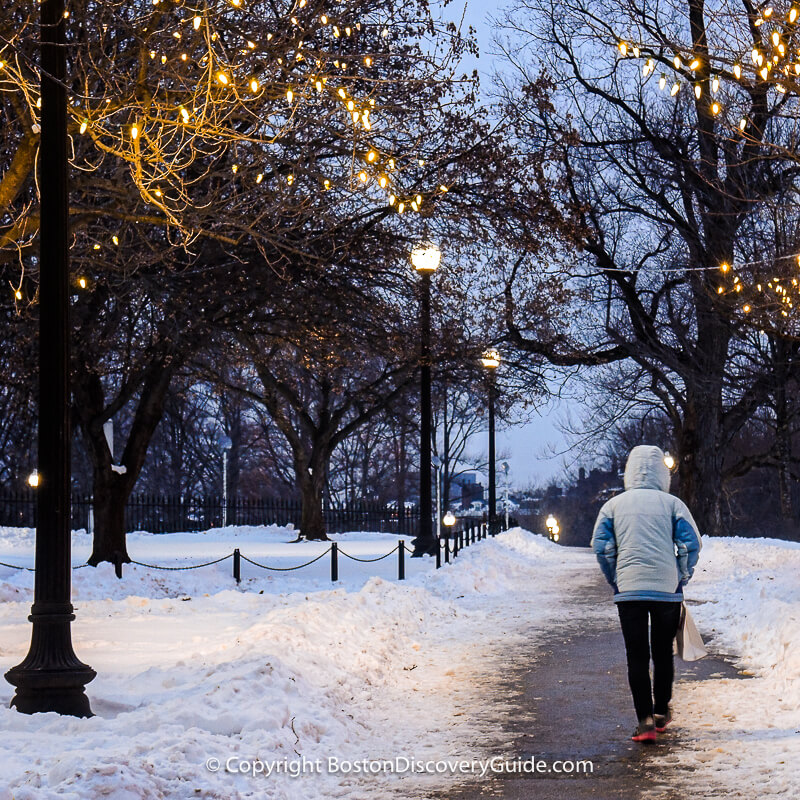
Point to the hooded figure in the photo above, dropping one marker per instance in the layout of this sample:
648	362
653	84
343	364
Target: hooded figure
645	538
647	545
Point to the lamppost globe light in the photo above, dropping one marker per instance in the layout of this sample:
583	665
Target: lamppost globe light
490	359
551	521
669	461
449	519
33	479
425	257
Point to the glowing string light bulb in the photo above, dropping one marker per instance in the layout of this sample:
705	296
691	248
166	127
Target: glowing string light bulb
662	81
737	71
715	108
676	87
695	65
83	127
715	84
698	90
676	62
623	48
792	14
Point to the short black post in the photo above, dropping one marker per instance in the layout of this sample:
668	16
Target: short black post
118	564
334	562
439	554
455	545
447	548
237	565
401	560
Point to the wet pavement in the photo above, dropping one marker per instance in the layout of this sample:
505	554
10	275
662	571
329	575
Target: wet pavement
565	697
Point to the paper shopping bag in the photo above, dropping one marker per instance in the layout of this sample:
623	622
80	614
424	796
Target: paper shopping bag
688	642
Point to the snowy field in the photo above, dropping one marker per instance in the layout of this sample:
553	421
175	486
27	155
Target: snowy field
284	667
741	738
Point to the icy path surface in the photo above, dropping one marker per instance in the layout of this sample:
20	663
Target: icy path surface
286	667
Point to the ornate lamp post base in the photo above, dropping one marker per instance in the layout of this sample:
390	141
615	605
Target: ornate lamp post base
51	678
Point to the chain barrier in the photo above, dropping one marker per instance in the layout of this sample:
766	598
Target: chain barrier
179	569
14	566
285	569
368	560
465	536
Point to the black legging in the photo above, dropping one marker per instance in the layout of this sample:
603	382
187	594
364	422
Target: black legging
664	619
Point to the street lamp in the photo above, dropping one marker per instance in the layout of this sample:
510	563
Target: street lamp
51	677
669	461
553	528
437	465
425	259
505	472
226	444
491	360
449	519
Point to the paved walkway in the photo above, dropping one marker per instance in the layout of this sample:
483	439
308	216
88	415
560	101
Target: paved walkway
569	700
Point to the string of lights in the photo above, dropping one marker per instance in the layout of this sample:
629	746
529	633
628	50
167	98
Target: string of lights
173	88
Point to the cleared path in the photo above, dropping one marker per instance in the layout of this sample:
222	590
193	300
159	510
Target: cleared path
570	701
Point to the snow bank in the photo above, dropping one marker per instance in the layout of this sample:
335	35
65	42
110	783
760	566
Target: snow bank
739	738
284	667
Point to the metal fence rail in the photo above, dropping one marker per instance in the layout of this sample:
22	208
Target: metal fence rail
174	513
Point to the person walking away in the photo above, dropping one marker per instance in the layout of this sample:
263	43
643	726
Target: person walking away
647	544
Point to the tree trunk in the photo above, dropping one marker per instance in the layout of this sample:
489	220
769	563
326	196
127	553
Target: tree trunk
312	520
700	464
783	444
110	498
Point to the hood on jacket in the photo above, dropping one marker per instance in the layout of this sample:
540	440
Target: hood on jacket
645	469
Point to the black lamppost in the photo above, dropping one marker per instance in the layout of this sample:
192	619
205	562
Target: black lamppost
491	360
51	678
425	259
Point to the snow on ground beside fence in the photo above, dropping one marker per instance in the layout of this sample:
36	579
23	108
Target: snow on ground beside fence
741	738
287	665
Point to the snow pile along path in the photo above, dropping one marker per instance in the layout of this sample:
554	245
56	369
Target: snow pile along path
740	738
195	674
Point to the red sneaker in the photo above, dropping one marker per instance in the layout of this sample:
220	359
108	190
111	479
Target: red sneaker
645	732
662	720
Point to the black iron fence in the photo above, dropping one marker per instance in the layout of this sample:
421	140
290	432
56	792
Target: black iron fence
174	513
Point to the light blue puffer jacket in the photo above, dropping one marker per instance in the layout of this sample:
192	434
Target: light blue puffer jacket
645	539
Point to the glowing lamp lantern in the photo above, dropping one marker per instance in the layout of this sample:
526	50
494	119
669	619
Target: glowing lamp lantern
449	519
425	257
491	359
669	461
33	479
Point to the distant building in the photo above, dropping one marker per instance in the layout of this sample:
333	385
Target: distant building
471	489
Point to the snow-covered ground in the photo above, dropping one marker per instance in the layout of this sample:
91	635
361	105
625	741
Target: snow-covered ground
741	738
197	672
199	680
